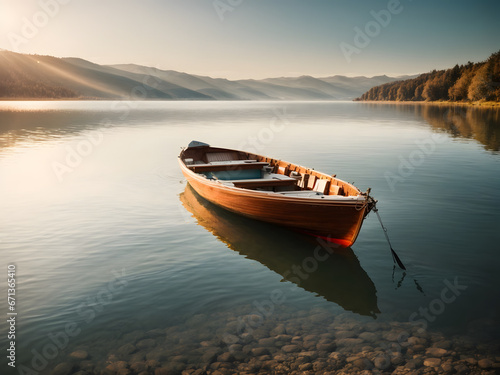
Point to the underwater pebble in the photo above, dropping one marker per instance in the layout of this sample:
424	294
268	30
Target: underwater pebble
436	352
432	362
485	363
79	354
290	348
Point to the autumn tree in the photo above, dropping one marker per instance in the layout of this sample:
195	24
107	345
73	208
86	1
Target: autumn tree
460	89
480	85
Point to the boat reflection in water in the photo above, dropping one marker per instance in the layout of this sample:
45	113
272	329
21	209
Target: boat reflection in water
338	277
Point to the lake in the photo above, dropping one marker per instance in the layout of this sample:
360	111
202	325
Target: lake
121	267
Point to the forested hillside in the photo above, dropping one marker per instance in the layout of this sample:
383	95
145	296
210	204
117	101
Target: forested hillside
470	82
18	81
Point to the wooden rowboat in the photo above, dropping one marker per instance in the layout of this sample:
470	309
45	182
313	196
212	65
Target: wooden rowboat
276	191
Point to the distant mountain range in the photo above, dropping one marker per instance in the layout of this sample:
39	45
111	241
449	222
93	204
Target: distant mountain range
45	77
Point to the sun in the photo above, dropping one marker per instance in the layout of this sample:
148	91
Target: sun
13	15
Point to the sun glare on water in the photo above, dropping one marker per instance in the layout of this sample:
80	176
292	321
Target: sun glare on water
28	171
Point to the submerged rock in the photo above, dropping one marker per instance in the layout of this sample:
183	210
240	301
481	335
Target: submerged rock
369	336
290	348
485	363
416	341
344	334
126	350
267	342
472	361
432	362
447	367
79	354
225	357
436	352
210	354
306	366
138	367
348	342
363	364
152	363
382	362
443	344
414	364
257	352
326	345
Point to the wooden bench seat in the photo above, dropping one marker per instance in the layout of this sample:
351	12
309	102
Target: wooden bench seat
199	168
263	182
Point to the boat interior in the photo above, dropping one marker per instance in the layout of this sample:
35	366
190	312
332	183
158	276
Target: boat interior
255	172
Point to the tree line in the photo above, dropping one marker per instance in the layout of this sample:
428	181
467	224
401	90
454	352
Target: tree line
11	88
470	82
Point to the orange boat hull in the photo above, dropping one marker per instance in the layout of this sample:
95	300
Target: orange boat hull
336	221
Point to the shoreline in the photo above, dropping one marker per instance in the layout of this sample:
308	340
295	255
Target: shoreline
477	104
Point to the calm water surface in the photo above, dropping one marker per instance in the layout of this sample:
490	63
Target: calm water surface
108	241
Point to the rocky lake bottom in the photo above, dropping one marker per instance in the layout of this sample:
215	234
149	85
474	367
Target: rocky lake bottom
314	341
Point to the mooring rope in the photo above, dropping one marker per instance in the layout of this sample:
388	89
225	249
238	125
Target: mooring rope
395	257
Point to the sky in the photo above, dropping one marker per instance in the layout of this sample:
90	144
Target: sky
240	39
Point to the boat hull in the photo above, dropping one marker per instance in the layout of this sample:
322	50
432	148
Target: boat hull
335	221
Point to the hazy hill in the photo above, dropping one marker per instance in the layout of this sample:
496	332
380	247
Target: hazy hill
357	84
46	77
144	82
33	76
217	88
